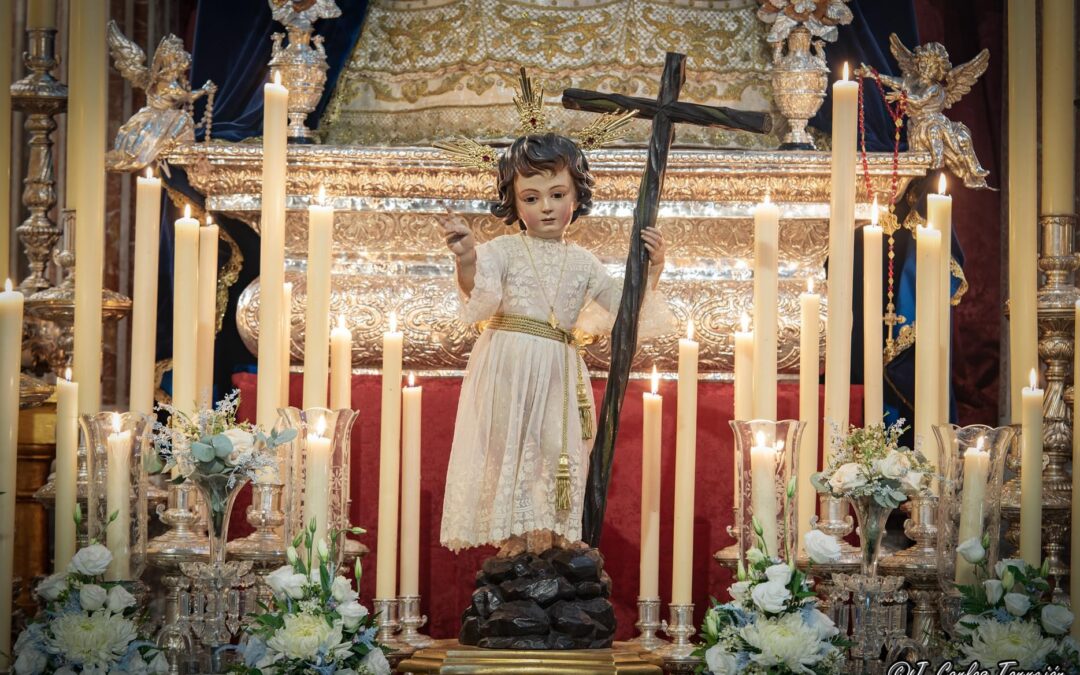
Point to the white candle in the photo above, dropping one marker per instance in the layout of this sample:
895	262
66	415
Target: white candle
118	501
272	251
651	424
85	180
873	358
976	473
340	366
317	480
40	14
185	314
7	16
1031	461
67	466
411	397
207	326
927	372
1058	108
809	364
682	567
841	247
317	316
286	343
766	275
1022	143
11	319
763	490
939	212
744	366
144	293
389	465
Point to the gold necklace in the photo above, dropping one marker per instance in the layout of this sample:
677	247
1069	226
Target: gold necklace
552	319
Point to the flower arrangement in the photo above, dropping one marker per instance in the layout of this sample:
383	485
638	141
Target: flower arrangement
820	17
1009	616
214	443
87	626
315	622
870	462
772	625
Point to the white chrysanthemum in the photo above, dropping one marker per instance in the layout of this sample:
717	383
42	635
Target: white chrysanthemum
94	641
1020	641
784	641
307	636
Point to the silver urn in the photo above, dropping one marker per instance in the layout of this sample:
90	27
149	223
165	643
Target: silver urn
799	79
302	67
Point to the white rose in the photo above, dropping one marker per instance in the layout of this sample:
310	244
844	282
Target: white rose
242	441
780	573
971	550
342	590
820	622
1002	565
720	662
1017	603
740	591
912	482
352	613
894	465
285	582
755	556
375	662
994	590
1056	619
30	662
91	561
821	548
52	586
92	597
847	477
770	596
120	599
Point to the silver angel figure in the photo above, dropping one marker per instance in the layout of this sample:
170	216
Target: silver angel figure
932	86
166	118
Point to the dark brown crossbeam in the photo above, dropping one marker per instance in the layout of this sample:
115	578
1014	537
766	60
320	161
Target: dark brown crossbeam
664	112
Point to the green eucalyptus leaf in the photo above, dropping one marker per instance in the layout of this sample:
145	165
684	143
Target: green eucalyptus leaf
223	447
202	452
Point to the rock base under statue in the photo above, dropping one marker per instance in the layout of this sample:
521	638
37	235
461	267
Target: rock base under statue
557	600
449	656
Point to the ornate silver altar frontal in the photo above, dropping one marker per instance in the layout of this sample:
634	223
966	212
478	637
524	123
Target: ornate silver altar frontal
390	256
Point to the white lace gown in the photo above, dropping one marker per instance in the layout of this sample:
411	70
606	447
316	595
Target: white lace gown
508	430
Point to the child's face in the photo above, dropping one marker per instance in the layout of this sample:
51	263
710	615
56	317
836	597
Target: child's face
545	202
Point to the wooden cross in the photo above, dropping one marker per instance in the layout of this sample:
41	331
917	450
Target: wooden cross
664	112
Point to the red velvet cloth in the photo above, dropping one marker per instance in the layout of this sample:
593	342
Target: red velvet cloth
446	579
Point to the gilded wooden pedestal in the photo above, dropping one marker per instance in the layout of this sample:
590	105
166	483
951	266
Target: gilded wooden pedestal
37	431
448	656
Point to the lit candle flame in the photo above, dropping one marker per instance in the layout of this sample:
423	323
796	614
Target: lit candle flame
187	210
744	322
277	77
149	173
689	329
979	443
874	212
320	427
810	285
322	195
393	322
209	220
7	285
116	422
845	71
766	197
412	379
941	183
341	321
67	373
760	438
1034	378
655	380
779	446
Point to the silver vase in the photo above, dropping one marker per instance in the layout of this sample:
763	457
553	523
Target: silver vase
799	79
302	69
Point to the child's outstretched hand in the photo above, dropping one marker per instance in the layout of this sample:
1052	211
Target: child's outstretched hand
458	234
656	246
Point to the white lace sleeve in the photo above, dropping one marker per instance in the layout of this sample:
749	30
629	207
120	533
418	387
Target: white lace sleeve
487	289
598	315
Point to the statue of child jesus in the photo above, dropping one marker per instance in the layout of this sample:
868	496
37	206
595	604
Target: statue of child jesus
522	436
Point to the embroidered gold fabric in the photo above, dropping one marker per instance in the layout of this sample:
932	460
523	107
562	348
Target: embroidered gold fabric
425	70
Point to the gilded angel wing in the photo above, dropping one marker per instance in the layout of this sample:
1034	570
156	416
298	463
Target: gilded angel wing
469	153
904	56
128	57
961	78
530	105
605	129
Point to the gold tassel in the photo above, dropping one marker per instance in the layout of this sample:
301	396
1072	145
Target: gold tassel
584	412
562	483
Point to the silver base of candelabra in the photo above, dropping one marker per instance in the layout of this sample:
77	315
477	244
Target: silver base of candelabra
647	624
412	621
836	522
264	547
386	618
681	628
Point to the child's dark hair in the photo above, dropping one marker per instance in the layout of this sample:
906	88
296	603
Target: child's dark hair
542	153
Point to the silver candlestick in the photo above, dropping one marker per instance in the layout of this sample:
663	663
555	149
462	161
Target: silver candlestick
836	522
647	624
386	618
264	547
412	621
677	655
